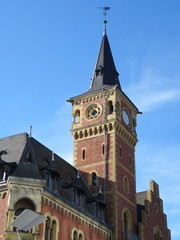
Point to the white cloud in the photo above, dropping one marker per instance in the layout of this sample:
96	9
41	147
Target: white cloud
153	90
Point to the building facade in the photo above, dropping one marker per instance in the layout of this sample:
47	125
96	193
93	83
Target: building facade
96	198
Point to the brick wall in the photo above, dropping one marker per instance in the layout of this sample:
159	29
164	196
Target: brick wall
67	221
3	211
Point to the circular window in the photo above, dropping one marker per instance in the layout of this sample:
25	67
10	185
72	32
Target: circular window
93	111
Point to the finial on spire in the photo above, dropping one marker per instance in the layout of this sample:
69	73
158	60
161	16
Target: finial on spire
52	157
78	174
105	9
100	189
30	131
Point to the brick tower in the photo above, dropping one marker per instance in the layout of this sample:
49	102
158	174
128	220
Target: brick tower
104	132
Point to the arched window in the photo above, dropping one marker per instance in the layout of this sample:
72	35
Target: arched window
110	107
26	203
75	235
23	204
155	236
80	237
53	230
47	229
90	132
94	179
81	134
110	127
77	116
95	130
126	184
126	224
100	129
85	133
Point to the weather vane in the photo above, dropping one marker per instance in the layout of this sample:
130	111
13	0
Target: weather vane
105	11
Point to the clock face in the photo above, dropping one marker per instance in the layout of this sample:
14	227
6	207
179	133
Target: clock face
93	111
125	117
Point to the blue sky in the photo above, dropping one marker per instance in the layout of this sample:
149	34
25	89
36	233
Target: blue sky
48	51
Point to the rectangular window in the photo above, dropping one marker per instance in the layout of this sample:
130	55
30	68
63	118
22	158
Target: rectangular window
103	149
47	176
82	200
74	196
57	185
96	210
83	154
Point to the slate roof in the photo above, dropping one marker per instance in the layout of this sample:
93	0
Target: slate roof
31	157
14	146
105	74
24	157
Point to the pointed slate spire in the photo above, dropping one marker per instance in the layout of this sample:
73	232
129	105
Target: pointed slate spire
105	74
28	166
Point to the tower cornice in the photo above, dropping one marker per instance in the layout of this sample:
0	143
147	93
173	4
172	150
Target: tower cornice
107	92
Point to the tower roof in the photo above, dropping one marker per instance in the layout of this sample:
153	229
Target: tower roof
105	74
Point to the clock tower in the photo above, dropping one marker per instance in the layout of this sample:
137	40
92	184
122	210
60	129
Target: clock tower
104	133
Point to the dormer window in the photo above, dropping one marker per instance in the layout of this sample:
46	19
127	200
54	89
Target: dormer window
47	179
101	213
82	200
96	209
76	196
57	185
52	182
99	71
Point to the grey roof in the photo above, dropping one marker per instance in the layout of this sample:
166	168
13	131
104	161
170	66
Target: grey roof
24	157
32	157
105	74
140	197
14	146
